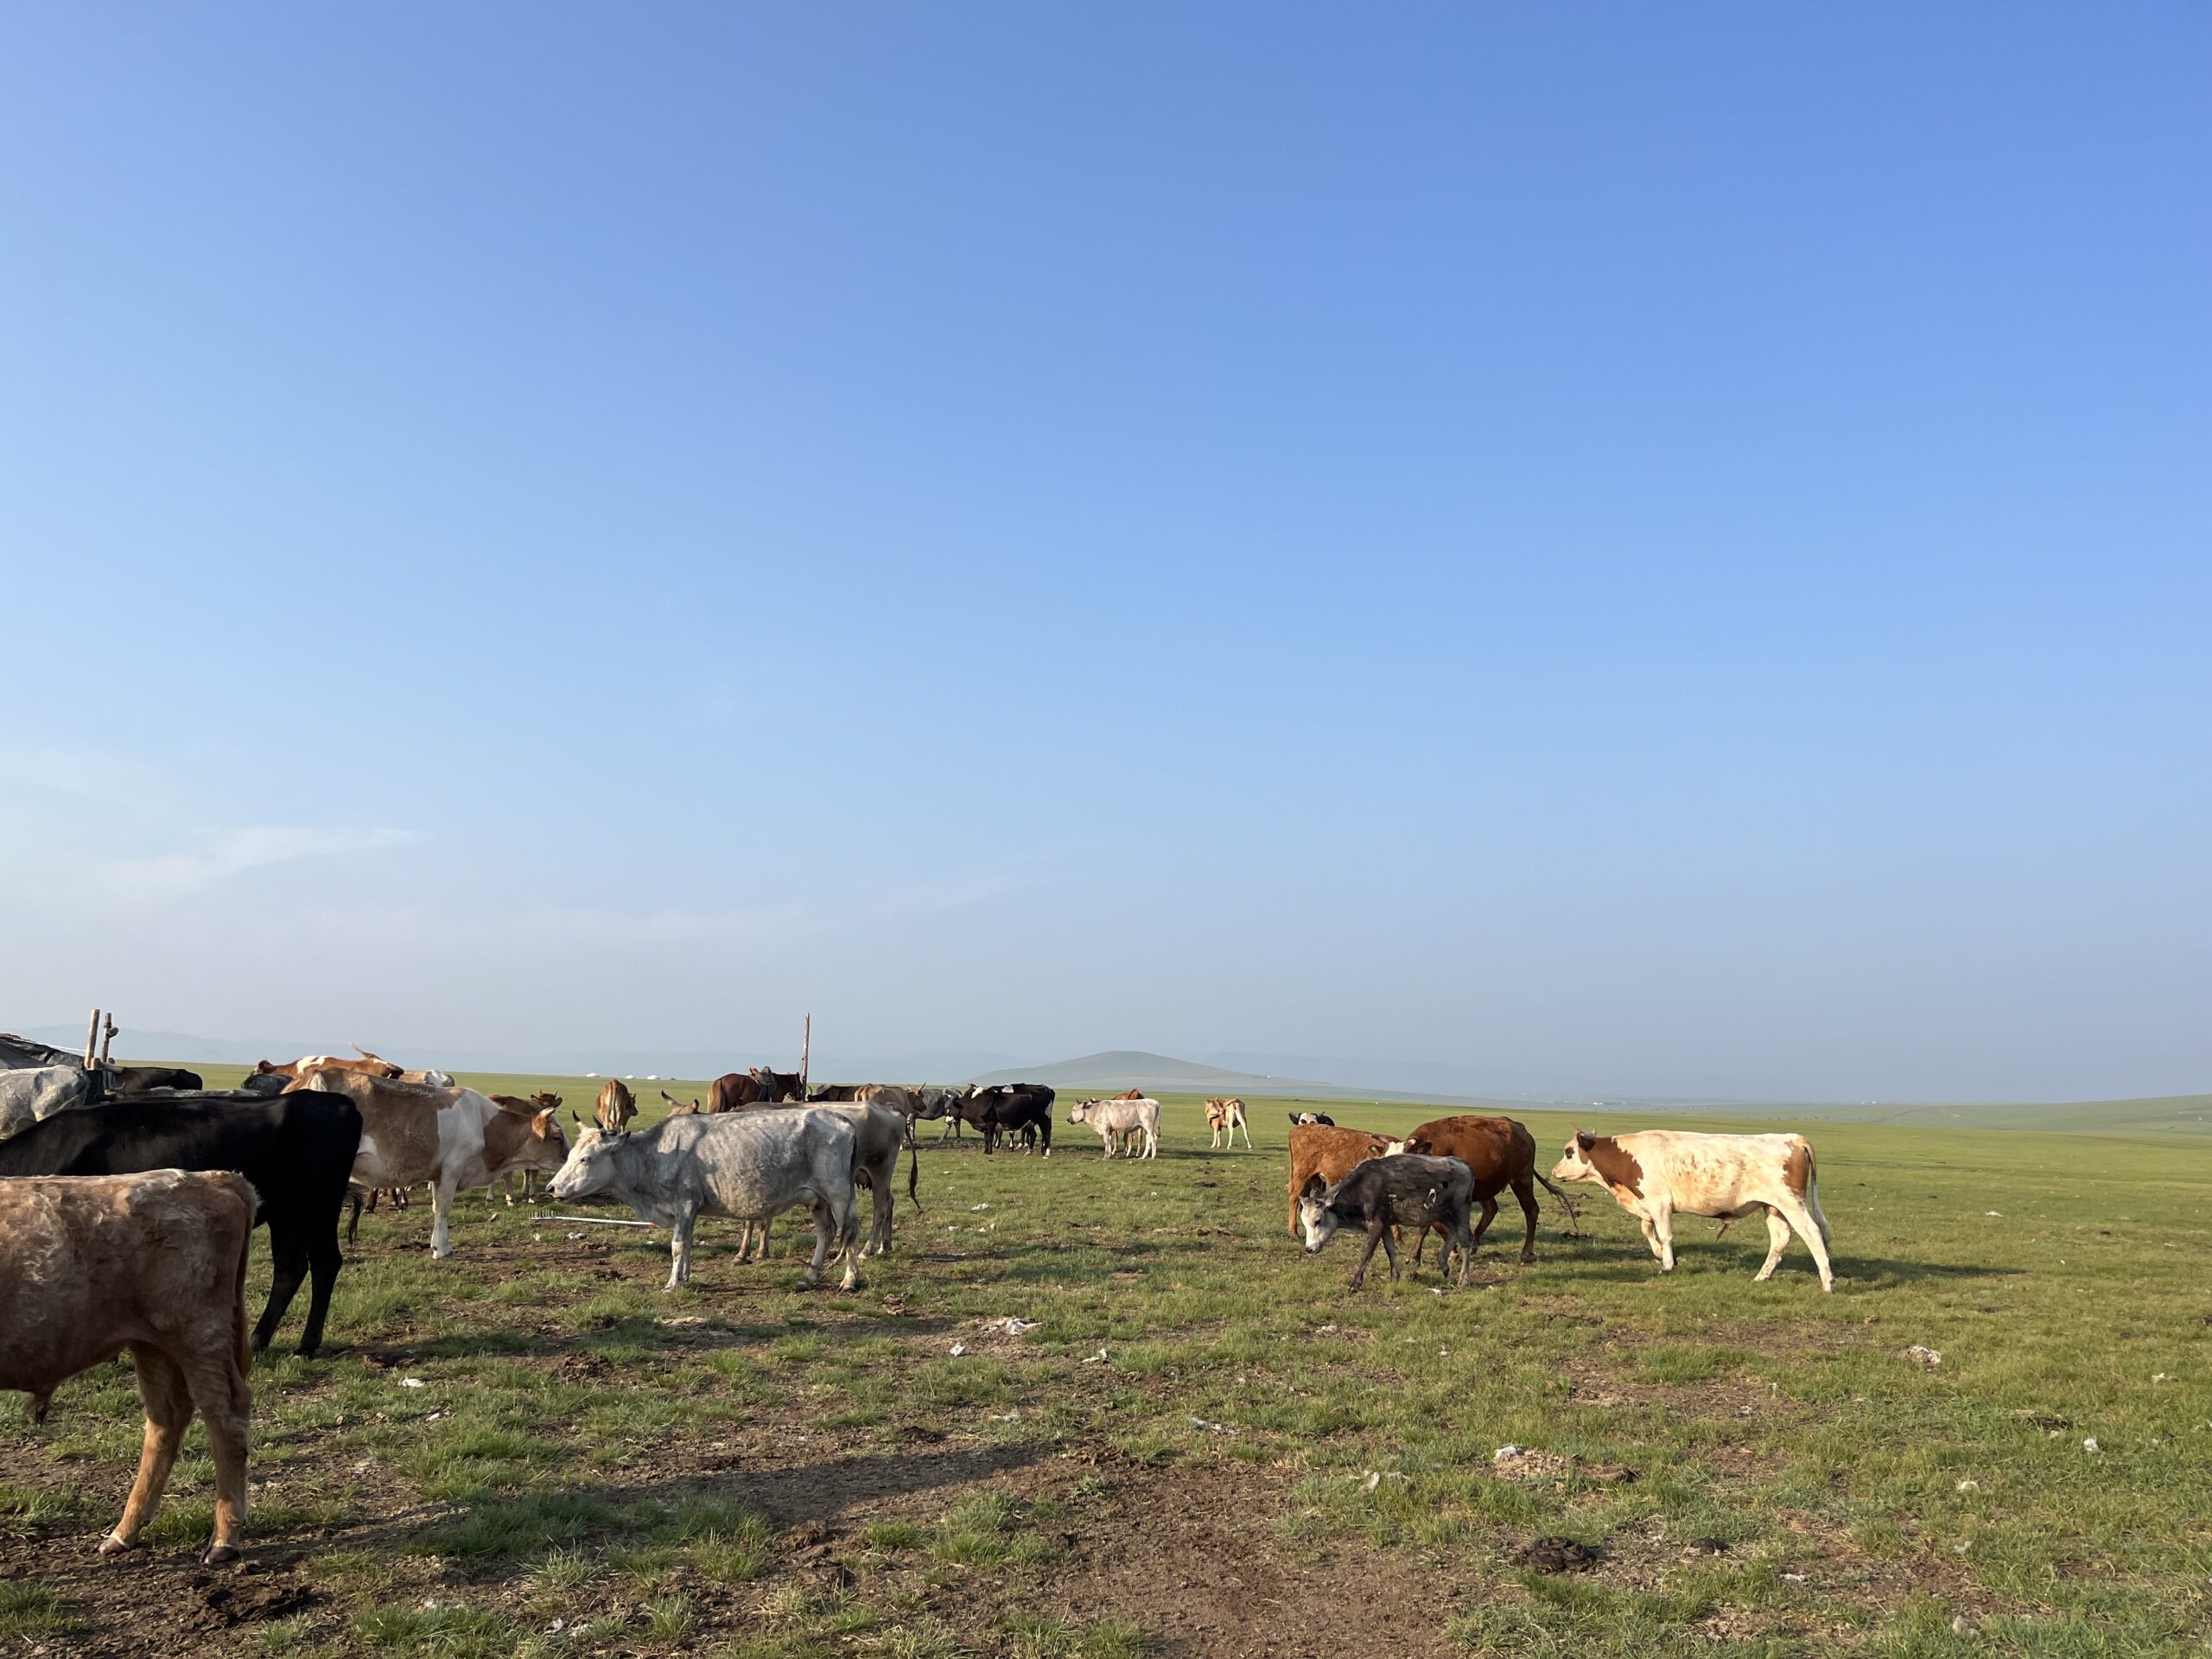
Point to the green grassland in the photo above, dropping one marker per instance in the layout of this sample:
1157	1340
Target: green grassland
1205	1443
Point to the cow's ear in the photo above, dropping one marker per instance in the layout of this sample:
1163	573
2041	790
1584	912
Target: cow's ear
540	1124
1314	1188
1585	1140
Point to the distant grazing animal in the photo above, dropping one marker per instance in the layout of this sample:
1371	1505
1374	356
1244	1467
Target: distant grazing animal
454	1139
1327	1152
153	1263
1381	1193
1122	1119
1658	1173
297	1151
835	1092
1500	1153
1322	1118
932	1102
1128	1094
137	1079
748	1165
737	1091
680	1108
1225	1114
616	1106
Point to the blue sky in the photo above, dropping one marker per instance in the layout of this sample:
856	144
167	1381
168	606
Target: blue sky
1626	549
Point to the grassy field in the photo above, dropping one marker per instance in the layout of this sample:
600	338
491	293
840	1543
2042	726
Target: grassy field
1205	1444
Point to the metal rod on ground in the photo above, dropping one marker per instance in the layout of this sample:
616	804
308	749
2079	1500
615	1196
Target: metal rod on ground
599	1221
91	1040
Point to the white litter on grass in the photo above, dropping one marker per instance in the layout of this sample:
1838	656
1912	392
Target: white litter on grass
557	1627
1008	1417
973	1208
1795	1578
1211	1428
1097	1358
958	1348
434	1417
1375	1477
574	1236
2162	1377
412	1382
2090	1444
1012	1326
1507	1453
1992	1213
1969	1486
1925	1355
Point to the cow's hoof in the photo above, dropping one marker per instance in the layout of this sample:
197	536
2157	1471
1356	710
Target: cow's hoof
113	1545
218	1554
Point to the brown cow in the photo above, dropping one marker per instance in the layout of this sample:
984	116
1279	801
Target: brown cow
153	1263
369	1064
616	1106
1225	1114
1327	1155
1501	1152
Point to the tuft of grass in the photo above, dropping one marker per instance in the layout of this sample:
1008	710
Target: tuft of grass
28	1611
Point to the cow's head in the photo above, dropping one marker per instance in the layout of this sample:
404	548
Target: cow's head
589	1167
1399	1148
1574	1163
1080	1111
1315	1218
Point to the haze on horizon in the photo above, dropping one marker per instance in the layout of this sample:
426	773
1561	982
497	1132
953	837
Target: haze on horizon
1663	551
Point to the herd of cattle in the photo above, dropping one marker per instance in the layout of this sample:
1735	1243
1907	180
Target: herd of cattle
127	1195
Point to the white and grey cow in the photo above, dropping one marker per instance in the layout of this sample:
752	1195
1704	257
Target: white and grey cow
1122	1120
751	1165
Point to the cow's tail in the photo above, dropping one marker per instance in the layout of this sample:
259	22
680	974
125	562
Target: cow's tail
1813	1195
1566	1203
913	1172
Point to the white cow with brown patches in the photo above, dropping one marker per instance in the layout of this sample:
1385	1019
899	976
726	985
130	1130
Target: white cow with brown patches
1658	1173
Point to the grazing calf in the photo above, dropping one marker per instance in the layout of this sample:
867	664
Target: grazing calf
1330	1152
1383	1193
1655	1173
1120	1120
1226	1113
1500	1153
616	1106
1311	1118
297	1152
153	1263
751	1165
681	1108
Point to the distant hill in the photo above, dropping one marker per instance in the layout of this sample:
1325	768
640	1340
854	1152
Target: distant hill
1133	1068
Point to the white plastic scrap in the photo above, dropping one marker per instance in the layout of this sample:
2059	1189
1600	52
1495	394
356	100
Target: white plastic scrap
412	1382
1097	1358
1012	1326
1969	1486
958	1348
1507	1453
2090	1444
1925	1355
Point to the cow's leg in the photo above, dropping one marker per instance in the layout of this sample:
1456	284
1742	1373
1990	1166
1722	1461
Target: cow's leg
1524	1188
441	1197
354	1221
1390	1250
1651	1237
168	1410
825	1230
288	1256
1247	1128
1375	1235
679	1246
1662	1227
1466	1249
1489	1214
324	1259
1778	1240
219	1390
1815	1238
1151	1141
849	1221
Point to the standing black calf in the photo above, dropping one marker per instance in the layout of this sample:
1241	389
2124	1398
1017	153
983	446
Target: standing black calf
1406	1191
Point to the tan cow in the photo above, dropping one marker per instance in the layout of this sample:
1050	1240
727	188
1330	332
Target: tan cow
1225	1114
1657	1173
1322	1154
616	1106
154	1264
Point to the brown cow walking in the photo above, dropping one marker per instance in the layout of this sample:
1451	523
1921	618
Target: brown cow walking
1501	1152
1320	1156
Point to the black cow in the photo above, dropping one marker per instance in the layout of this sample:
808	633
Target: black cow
1008	1109
297	1151
137	1079
264	1086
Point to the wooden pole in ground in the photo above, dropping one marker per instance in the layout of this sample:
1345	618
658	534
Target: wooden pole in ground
91	1040
107	1040
805	1048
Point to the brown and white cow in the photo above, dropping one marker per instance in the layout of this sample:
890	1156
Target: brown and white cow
1225	1114
616	1106
1657	1172
1500	1153
153	1263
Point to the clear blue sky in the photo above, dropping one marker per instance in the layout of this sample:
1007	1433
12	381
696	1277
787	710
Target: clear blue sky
1659	549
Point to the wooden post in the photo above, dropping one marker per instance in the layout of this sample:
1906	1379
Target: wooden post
91	1040
107	1040
805	1046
